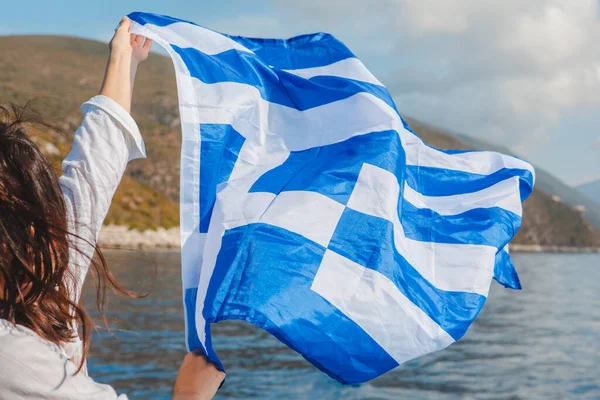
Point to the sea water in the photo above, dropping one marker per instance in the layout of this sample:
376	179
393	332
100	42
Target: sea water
542	342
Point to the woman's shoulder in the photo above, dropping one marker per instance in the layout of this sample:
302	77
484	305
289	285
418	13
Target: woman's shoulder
33	368
20	341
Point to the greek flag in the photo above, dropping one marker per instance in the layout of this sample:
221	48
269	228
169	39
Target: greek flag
311	210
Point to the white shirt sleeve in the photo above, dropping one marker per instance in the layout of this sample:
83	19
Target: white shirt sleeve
106	141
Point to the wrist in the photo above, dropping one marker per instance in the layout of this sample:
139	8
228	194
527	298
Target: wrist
120	53
123	59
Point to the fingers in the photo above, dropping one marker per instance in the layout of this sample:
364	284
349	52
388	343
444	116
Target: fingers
123	40
198	377
147	44
137	40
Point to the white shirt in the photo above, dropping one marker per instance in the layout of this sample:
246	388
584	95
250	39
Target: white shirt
31	367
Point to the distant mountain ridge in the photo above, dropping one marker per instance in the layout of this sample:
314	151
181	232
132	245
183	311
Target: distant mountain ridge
64	72
591	190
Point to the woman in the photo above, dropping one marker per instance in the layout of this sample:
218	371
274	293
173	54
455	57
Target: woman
48	233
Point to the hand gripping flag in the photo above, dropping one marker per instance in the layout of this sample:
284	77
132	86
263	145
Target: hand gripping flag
311	210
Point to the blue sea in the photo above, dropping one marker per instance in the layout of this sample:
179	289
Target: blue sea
542	342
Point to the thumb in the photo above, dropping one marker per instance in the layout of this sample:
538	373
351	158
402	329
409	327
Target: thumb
124	25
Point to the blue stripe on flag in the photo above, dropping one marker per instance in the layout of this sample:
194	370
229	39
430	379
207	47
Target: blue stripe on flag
193	341
333	170
304	51
369	241
505	272
431	181
263	275
274	85
493	226
219	150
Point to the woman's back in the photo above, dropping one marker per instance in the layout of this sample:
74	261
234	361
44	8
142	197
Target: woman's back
33	368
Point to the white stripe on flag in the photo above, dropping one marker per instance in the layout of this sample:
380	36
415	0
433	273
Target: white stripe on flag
504	194
185	35
350	68
373	301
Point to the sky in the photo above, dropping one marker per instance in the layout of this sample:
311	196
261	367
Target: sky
523	74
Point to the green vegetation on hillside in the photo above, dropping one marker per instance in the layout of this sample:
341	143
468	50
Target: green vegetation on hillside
62	72
57	74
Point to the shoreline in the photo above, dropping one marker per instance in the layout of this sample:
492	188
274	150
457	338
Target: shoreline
121	237
536	248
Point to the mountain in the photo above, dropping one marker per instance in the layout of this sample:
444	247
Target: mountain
591	190
60	73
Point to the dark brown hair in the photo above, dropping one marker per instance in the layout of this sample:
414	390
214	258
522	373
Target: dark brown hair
36	278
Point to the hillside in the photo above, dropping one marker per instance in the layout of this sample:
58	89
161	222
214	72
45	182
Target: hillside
62	72
591	190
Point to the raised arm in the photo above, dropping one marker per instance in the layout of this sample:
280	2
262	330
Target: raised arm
126	52
106	141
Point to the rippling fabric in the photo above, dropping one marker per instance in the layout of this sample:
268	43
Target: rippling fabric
311	210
